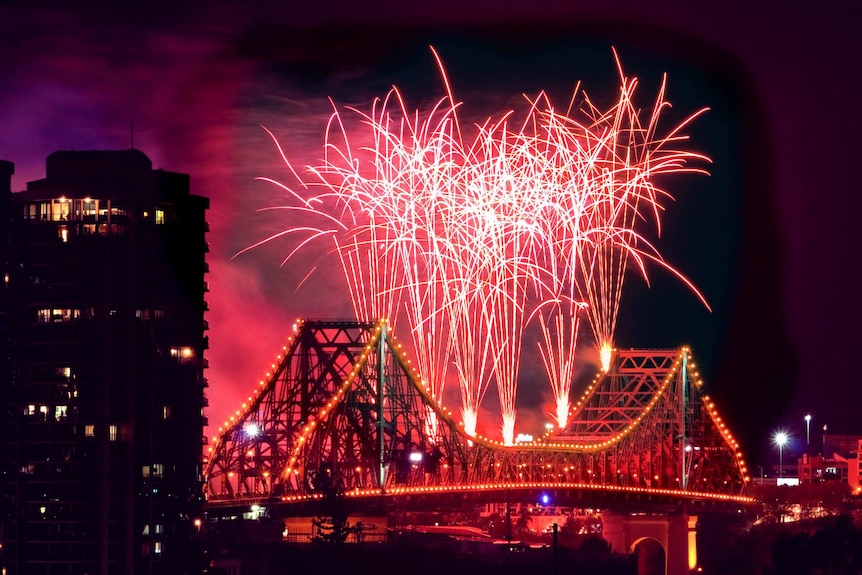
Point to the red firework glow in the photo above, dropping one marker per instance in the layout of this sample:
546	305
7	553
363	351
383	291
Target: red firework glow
470	239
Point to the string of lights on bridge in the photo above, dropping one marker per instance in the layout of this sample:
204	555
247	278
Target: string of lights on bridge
543	444
417	490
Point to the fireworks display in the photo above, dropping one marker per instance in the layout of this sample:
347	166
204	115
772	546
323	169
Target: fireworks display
469	233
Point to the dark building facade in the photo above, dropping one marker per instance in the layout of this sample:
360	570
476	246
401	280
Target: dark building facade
103	357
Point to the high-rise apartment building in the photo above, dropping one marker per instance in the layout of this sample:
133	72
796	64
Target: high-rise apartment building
103	339
6	471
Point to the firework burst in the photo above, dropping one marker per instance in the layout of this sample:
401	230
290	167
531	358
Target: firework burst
468	239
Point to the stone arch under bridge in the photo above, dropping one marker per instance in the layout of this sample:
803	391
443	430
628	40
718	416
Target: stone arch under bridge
676	534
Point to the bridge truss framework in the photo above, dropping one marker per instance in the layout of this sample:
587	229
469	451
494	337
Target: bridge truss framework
344	409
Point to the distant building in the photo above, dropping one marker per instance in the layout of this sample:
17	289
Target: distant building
103	390
839	465
816	468
842	444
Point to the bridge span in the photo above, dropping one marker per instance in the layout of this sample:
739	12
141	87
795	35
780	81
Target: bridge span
343	413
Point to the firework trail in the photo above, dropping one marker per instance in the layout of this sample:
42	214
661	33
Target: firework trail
558	352
626	155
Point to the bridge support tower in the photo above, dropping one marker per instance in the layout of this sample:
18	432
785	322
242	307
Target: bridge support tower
666	544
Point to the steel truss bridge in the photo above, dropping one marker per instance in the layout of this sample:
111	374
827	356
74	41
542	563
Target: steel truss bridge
344	411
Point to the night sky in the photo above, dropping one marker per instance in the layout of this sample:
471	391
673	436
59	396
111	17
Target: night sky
770	237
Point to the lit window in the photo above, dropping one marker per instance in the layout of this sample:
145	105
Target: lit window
31	409
160	217
183	354
58	315
145	472
166	412
60	412
89	207
89	430
159	528
157	547
146	530
158	470
52	210
112	432
60	210
64	234
143	314
64	372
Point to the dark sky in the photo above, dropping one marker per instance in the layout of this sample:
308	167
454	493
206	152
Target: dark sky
771	237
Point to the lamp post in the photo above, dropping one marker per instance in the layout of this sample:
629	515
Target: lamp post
780	440
807	431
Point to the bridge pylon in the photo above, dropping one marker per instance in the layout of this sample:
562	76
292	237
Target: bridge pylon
343	400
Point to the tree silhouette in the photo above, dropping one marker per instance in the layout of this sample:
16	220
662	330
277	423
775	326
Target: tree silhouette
331	525
835	548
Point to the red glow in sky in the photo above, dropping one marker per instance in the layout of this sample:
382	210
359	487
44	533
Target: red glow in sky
198	81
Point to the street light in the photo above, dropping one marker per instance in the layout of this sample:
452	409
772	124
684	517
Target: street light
808	430
780	440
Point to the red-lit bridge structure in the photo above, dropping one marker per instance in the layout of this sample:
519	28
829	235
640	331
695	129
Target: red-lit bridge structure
344	409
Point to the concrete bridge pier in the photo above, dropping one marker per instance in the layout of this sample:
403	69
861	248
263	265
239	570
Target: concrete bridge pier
665	544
